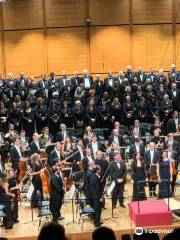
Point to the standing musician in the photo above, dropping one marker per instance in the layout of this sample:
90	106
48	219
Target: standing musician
137	147
96	194
6	197
35	146
13	183
173	156
118	172
36	180
46	137
94	145
56	193
99	161
138	171
87	183
16	155
151	157
56	154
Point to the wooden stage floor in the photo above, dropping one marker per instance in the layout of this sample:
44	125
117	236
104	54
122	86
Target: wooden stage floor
121	223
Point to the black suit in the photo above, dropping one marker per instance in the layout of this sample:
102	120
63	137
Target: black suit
15	157
133	150
171	126
120	140
99	147
56	195
60	137
90	80
148	162
115	174
96	195
53	158
34	148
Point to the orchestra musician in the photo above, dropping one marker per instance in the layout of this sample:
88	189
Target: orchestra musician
87	186
6	197
37	168
164	173
12	181
55	155
173	123
151	157
35	146
118	172
94	145
16	154
137	147
138	171
56	193
62	134
103	163
171	141
96	194
45	137
116	138
173	156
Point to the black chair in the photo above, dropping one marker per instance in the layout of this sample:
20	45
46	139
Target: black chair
85	212
44	213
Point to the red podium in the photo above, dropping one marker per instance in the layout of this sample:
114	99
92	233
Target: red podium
150	213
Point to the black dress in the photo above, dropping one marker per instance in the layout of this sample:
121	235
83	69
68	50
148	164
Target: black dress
6	201
116	113
138	174
164	172
41	112
28	126
78	116
37	195
66	116
15	118
53	114
91	113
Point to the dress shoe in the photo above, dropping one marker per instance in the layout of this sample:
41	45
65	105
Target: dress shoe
97	224
9	227
122	205
60	218
16	221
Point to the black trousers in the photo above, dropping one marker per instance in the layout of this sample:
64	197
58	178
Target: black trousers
97	206
55	207
118	194
15	209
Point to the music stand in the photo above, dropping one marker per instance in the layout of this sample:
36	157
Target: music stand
67	172
49	148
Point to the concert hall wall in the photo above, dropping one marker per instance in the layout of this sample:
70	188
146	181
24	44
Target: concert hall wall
52	35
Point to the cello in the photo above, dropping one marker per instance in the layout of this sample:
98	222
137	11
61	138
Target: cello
45	179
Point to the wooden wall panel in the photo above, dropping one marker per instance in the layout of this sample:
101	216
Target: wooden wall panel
105	12
152	45
177	54
24	50
177	11
110	48
23	14
60	13
151	11
67	49
1	57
